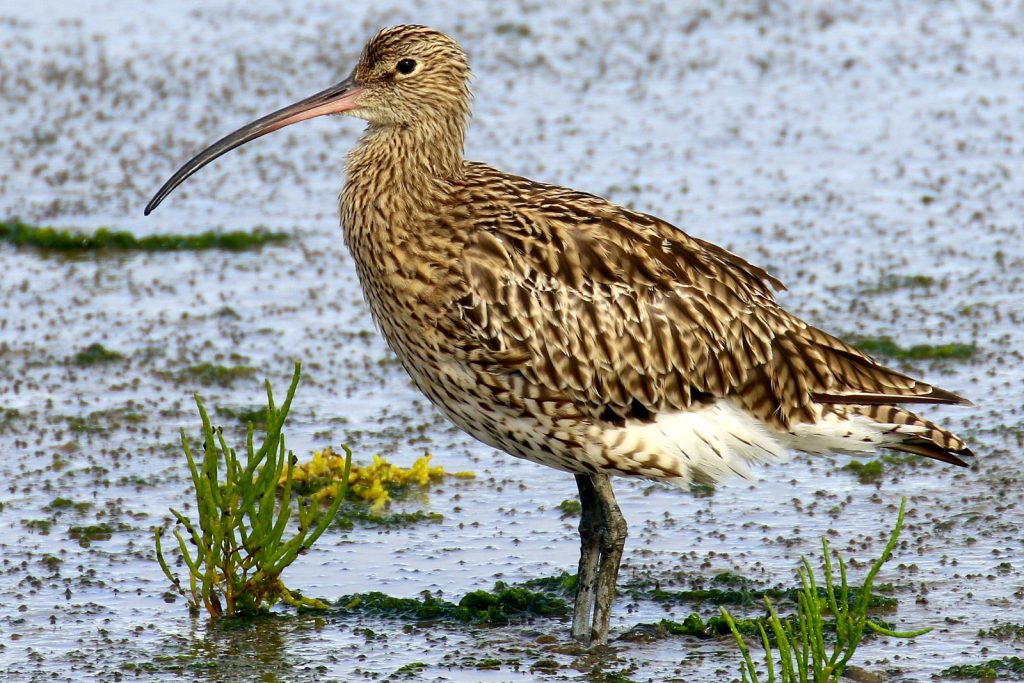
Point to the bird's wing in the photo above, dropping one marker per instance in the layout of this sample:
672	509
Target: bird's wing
625	315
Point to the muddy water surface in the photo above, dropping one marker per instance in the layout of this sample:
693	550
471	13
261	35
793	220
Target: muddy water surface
869	156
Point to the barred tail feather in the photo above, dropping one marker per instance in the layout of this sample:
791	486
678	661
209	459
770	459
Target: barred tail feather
932	441
861	429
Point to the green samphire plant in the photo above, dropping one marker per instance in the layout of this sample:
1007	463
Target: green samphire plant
803	655
236	552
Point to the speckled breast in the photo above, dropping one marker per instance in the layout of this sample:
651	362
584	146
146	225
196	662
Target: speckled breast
487	408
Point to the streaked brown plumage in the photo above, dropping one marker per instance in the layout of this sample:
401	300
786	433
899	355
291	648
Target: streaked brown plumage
562	328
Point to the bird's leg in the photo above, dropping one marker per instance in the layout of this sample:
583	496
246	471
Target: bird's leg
590	555
612	539
602	538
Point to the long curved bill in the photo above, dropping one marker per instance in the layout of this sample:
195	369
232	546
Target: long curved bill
334	100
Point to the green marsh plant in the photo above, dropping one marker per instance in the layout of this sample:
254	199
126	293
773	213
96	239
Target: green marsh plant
237	550
804	656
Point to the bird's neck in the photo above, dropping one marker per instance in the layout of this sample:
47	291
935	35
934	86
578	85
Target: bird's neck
421	151
400	179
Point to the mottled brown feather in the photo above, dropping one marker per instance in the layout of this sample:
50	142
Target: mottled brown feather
626	277
495	289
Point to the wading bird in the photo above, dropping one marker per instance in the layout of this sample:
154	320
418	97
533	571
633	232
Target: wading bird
559	327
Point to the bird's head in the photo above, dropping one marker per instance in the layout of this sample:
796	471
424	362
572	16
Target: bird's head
406	76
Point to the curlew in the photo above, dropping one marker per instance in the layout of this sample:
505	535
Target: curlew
564	329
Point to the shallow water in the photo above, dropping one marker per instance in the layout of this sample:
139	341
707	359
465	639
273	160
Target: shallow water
835	146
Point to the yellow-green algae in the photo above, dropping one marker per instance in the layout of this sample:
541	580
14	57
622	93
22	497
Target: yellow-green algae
886	346
867	472
95	354
500	606
257	415
1003	669
571	507
732	589
57	239
1013	632
59	503
372	484
871	472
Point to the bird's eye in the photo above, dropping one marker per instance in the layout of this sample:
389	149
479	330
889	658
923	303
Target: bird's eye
406	66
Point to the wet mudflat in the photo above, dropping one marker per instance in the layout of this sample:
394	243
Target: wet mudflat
868	156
